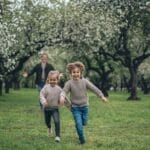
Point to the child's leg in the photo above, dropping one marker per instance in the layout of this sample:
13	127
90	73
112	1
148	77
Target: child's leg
77	114
84	115
56	121
47	117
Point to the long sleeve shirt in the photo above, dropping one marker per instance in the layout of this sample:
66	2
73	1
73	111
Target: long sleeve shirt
78	91
51	95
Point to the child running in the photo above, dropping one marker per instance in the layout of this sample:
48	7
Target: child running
77	87
49	97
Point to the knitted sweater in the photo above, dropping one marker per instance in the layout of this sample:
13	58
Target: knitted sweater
51	95
78	91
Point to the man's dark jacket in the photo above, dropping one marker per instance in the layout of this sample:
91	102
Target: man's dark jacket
38	70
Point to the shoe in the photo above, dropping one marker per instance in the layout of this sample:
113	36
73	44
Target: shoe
57	139
82	141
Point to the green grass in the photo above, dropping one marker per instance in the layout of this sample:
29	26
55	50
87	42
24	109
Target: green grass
118	125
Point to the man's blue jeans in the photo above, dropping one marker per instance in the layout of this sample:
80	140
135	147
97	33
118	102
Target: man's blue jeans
39	87
80	115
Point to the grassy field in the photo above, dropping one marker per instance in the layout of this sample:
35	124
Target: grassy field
119	125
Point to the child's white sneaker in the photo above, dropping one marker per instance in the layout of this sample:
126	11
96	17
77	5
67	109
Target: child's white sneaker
57	139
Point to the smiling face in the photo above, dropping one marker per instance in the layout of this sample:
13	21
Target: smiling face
53	80
44	58
76	73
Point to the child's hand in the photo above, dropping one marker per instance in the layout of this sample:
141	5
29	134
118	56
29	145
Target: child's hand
46	104
62	100
104	99
67	104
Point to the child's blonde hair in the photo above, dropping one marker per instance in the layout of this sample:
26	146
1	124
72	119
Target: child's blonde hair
77	64
53	73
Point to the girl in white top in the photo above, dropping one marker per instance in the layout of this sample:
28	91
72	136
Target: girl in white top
49	97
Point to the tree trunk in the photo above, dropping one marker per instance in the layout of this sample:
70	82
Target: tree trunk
115	86
16	82
1	87
133	84
105	92
145	85
7	86
16	85
104	85
127	83
121	85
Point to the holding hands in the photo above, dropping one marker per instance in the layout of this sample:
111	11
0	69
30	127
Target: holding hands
62	100
45	104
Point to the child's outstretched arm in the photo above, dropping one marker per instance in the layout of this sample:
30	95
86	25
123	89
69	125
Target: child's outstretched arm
97	91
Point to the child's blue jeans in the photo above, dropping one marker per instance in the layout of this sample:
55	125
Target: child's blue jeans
80	115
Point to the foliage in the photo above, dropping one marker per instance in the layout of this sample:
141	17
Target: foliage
144	69
100	31
7	41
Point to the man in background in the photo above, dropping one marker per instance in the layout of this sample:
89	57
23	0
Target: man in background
41	70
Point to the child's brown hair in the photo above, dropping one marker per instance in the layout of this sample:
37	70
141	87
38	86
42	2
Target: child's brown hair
77	64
